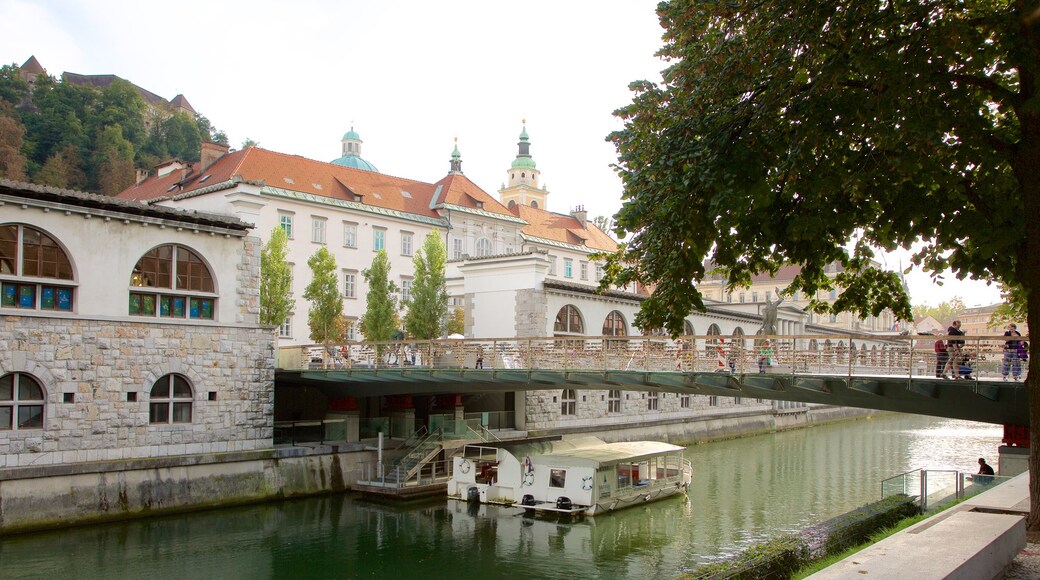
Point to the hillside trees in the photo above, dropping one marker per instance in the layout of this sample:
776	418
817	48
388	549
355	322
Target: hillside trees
806	133
61	117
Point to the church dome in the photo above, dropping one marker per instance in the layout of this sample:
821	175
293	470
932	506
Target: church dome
523	163
352	134
356	162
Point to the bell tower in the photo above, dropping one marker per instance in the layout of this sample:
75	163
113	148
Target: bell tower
522	187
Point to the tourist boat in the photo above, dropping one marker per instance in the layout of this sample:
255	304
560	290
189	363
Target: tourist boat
582	476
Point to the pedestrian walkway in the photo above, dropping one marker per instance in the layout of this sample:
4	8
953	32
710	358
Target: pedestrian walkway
982	537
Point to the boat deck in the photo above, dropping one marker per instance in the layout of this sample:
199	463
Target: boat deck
548	506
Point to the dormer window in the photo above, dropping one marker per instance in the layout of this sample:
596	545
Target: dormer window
480	205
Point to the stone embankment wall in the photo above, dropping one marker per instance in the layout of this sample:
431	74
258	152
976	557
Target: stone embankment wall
62	495
733	422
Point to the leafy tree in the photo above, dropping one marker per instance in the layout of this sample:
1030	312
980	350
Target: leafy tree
1014	307
209	132
12	88
604	223
457	322
380	320
121	104
63	169
12	162
249	143
183	139
276	299
784	131
429	302
944	313
114	161
326	301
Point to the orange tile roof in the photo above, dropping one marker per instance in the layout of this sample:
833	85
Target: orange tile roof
299	174
562	228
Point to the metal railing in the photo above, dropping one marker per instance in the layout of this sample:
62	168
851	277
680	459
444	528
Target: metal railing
830	354
396	476
934	488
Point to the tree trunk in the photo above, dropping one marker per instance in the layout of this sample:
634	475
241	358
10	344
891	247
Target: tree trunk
1027	170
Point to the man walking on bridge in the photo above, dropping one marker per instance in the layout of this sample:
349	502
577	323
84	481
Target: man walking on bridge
953	348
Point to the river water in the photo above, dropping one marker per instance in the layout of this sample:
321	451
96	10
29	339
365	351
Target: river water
744	490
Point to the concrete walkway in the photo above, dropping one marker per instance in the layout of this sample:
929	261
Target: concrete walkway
979	539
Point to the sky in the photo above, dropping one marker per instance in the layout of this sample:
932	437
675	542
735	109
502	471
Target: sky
410	76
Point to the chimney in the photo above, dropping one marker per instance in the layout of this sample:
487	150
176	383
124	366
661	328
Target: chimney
141	175
581	215
211	152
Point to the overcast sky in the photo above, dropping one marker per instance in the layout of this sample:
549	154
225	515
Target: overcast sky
409	76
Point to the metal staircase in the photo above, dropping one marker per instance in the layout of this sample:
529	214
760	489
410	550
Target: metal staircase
427	446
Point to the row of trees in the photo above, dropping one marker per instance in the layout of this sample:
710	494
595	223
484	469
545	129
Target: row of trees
82	137
426	315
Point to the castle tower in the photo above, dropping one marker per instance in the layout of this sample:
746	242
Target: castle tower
522	187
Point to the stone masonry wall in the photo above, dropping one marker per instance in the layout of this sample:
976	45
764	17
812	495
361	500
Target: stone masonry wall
104	364
531	312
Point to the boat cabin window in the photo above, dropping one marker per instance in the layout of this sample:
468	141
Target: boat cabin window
557	477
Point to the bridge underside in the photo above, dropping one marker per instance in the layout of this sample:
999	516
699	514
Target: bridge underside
985	401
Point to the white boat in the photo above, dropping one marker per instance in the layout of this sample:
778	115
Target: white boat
582	476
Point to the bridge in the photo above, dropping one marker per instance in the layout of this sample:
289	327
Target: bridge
896	373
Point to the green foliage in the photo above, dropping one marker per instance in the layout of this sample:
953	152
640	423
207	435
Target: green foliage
115	161
276	299
1014	307
380	320
66	115
840	533
776	558
782	556
944	313
12	162
457	322
784	130
428	306
12	88
326	300
249	143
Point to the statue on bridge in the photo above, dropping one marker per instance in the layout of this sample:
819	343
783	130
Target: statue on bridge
769	317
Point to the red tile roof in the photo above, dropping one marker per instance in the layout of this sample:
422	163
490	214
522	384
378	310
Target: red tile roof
299	174
562	228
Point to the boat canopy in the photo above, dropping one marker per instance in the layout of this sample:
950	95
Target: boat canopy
606	454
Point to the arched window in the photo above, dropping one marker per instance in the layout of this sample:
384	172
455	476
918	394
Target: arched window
26	252
568	320
171	281
714	331
568	402
512	203
688	328
170	400
614	402
614	325
534	204
483	247
21	402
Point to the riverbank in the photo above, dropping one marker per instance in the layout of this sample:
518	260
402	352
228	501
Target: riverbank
55	496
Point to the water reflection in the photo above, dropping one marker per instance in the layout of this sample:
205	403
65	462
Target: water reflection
744	490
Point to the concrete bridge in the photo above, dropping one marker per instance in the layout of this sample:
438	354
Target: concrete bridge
886	373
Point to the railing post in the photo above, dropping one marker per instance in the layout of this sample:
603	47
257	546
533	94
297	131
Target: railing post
924	490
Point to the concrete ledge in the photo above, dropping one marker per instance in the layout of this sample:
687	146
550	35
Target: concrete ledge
968	545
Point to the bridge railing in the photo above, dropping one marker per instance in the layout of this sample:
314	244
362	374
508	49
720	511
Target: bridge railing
831	354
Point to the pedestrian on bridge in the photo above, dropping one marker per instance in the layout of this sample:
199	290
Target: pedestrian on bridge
1012	363
954	348
941	356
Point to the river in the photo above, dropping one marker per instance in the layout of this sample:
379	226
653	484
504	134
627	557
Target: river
743	490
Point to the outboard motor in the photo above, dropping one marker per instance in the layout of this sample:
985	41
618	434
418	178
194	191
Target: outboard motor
564	503
528	499
473	494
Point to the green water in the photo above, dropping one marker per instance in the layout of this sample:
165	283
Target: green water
744	490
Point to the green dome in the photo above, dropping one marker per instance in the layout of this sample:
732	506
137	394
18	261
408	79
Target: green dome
523	163
352	134
356	162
